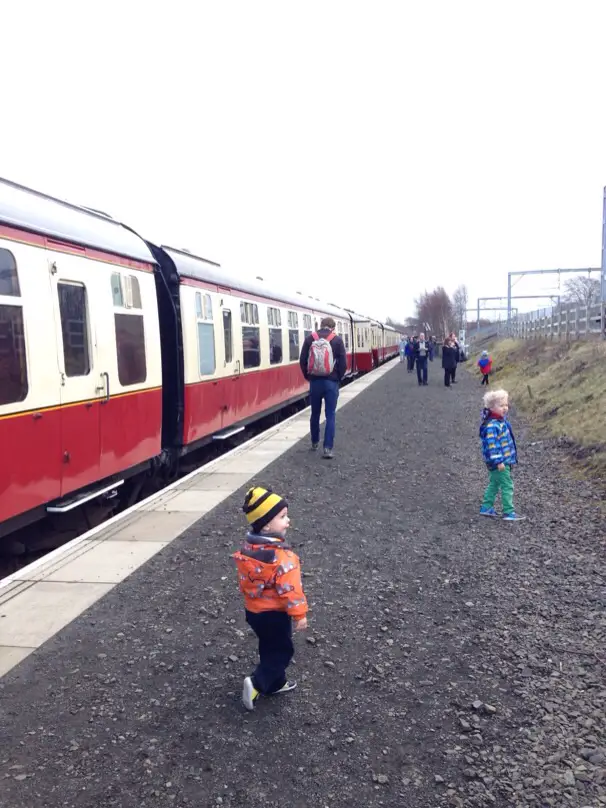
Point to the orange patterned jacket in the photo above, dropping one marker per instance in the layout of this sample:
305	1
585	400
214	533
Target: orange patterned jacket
270	576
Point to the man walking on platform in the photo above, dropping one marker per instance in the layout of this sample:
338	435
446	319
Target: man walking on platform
421	349
324	363
410	354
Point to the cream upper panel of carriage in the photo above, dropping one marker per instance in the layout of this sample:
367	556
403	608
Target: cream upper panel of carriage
107	330
62	327
362	334
226	333
197	268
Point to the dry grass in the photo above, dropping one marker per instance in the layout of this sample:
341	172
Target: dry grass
561	387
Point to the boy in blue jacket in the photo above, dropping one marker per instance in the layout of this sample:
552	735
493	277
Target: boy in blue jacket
500	455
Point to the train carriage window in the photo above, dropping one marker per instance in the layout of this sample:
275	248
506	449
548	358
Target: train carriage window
133	293
293	344
293	319
74	328
130	346
274	320
206	348
126	292
346	340
206	334
306	326
9	280
251	346
275	346
13	364
130	330
251	343
228	339
274	317
117	295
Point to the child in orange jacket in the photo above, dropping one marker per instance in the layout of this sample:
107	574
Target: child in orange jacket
270	580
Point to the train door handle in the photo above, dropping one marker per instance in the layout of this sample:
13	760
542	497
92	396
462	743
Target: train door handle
106	375
37	416
238	367
66	457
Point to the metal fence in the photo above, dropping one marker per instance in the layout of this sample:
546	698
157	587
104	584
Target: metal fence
490	331
559	322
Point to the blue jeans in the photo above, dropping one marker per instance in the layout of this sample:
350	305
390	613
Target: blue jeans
422	369
274	630
325	390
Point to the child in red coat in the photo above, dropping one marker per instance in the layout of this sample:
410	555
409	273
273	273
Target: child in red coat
485	365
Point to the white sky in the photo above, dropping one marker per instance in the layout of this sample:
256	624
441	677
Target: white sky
362	151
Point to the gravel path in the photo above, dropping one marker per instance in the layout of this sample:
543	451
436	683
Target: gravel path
450	661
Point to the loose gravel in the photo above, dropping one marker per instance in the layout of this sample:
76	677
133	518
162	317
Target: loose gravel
450	661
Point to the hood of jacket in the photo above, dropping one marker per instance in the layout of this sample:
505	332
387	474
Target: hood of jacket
261	555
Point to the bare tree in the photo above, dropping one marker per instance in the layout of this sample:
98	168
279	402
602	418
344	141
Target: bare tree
434	310
582	291
460	300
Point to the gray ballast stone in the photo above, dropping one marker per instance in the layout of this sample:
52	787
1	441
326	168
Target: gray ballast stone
115	711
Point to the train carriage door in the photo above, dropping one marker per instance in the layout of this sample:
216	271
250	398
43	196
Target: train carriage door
232	363
75	314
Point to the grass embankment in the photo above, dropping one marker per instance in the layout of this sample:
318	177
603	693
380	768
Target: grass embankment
561	388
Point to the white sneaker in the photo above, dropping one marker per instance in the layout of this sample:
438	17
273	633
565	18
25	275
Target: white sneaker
286	688
249	694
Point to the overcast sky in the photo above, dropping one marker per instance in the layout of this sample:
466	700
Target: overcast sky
362	151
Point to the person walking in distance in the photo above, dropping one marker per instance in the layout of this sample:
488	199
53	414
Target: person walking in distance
323	363
457	346
421	349
410	354
403	344
449	360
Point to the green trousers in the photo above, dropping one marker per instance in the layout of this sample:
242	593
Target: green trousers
500	481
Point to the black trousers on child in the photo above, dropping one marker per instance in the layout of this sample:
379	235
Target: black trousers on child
449	375
276	649
485	379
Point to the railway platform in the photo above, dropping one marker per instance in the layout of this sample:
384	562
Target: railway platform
431	652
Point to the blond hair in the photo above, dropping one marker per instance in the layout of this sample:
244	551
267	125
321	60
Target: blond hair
495	397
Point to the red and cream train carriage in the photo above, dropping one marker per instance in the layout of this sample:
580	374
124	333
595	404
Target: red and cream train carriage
80	374
118	356
240	343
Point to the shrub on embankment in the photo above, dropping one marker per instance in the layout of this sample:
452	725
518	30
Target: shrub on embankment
561	388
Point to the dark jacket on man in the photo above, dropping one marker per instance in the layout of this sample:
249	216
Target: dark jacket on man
338	351
450	357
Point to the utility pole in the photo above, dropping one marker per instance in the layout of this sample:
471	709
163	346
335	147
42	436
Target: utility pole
603	270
